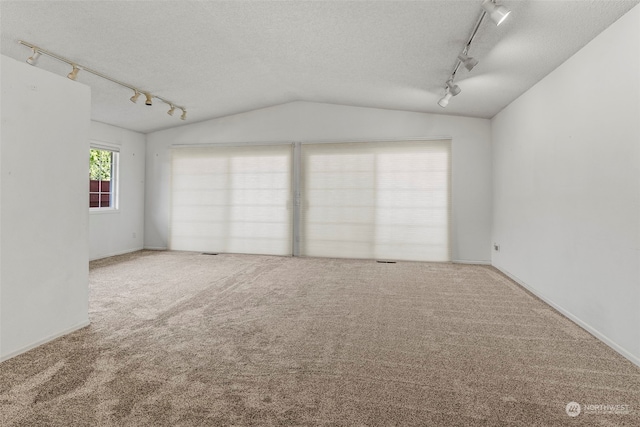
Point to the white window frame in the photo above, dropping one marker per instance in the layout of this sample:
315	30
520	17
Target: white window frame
115	177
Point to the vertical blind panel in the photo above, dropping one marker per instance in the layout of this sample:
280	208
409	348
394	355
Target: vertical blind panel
382	200
232	199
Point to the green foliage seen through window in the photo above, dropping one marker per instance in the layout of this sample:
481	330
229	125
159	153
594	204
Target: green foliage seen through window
100	165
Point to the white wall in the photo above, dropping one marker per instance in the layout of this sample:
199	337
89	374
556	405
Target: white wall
44	190
120	231
306	121
566	158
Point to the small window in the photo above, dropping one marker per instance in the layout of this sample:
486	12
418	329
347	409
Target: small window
103	172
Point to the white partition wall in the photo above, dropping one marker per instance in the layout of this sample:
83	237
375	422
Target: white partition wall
232	199
382	200
45	194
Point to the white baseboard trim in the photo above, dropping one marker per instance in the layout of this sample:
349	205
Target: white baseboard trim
155	248
593	331
45	340
466	261
126	251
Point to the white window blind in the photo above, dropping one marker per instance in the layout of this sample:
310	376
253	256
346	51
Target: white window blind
232	199
382	200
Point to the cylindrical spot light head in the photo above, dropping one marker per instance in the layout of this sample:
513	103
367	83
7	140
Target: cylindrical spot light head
184	115
454	89
444	101
497	13
33	58
135	97
148	101
74	73
171	110
468	61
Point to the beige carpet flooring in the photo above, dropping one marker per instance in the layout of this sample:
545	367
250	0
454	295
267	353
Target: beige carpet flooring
184	339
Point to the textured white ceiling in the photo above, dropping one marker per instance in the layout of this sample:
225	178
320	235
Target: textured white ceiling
223	57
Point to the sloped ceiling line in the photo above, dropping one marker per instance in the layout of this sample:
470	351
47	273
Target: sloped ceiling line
223	58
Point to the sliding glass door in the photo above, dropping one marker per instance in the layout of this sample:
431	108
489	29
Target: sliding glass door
232	199
381	200
375	200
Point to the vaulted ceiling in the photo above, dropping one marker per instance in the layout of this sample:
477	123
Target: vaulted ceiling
224	57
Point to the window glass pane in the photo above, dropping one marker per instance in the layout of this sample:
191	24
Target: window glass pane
382	200
232	199
102	175
94	200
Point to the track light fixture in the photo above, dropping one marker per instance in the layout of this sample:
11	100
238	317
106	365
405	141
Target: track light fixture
33	58
74	73
453	88
497	13
37	51
444	101
468	61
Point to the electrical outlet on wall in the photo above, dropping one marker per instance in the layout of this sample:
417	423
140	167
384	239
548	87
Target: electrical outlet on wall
496	247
